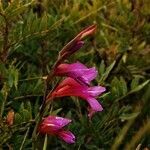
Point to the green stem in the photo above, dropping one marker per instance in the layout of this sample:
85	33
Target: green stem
21	147
34	135
3	103
45	102
45	143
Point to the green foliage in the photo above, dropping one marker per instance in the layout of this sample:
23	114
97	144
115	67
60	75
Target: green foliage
32	32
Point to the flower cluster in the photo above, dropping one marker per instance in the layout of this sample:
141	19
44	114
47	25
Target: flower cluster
76	83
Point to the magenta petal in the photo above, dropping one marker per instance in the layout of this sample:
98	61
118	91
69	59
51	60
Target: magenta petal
67	136
94	104
70	67
85	76
89	74
77	71
54	123
96	90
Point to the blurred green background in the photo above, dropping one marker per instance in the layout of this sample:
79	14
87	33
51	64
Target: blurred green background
31	35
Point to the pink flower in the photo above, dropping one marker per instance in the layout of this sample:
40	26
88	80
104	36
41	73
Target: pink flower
77	71
70	87
76	43
53	125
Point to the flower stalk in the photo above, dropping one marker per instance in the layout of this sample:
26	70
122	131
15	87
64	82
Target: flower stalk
77	84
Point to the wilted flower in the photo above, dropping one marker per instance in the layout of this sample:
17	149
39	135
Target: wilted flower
76	43
77	71
10	117
53	125
70	87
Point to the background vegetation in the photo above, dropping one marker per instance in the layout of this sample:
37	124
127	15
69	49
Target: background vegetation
31	35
